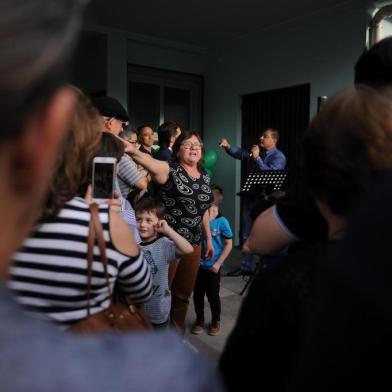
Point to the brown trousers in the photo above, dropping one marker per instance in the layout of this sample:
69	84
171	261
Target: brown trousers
182	277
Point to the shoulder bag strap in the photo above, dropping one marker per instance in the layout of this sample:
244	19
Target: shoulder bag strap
90	256
99	237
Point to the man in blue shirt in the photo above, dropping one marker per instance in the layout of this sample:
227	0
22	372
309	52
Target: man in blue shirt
262	156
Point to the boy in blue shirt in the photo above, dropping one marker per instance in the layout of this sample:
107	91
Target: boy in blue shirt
208	277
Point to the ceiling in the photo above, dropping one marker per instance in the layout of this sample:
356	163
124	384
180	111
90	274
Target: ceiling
198	22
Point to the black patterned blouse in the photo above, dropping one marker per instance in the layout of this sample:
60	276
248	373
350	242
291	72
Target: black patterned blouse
186	199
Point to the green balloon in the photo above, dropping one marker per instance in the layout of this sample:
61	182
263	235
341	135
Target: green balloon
210	159
210	173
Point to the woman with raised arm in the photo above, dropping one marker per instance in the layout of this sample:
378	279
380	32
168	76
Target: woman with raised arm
185	190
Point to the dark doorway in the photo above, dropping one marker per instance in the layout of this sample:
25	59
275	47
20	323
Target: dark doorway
285	109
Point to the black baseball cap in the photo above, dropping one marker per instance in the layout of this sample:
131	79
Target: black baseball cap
110	107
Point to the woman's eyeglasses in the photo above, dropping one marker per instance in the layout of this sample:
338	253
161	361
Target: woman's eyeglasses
189	145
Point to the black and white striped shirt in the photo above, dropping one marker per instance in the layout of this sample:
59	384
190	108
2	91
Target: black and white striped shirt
49	274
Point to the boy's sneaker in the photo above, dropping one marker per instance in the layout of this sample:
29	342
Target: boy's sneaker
197	328
214	329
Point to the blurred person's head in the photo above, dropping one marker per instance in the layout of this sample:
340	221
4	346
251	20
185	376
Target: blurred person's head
347	148
115	116
72	173
36	45
168	133
146	136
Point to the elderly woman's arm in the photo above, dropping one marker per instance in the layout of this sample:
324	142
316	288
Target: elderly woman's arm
159	170
207	235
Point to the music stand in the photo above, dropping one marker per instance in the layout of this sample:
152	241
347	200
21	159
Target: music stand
271	180
265	184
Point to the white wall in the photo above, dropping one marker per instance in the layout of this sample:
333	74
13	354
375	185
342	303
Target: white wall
320	49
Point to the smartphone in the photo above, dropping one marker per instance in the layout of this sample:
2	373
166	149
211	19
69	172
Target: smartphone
104	174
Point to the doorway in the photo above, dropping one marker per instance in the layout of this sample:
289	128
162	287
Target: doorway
285	109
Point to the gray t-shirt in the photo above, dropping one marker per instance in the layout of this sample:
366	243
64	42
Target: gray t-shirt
159	253
36	357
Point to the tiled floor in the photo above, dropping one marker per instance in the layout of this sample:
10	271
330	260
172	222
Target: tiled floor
231	300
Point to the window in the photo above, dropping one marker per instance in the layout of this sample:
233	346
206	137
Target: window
156	96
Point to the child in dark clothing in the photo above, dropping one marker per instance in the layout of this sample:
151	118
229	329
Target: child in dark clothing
208	277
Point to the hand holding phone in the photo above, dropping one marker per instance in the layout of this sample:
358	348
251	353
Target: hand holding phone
104	172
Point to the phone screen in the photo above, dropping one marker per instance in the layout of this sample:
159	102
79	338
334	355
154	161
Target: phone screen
103	180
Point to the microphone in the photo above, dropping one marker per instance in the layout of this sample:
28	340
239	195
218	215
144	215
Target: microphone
250	153
259	146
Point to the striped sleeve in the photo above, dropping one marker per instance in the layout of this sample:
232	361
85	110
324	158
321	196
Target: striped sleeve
134	277
128	175
49	274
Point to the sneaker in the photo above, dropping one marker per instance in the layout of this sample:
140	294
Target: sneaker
214	329
197	328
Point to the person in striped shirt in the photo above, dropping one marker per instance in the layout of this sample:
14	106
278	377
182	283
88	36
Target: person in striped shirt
49	273
37	41
161	246
129	178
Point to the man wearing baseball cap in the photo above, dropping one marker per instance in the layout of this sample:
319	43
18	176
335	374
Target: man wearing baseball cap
129	177
115	116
